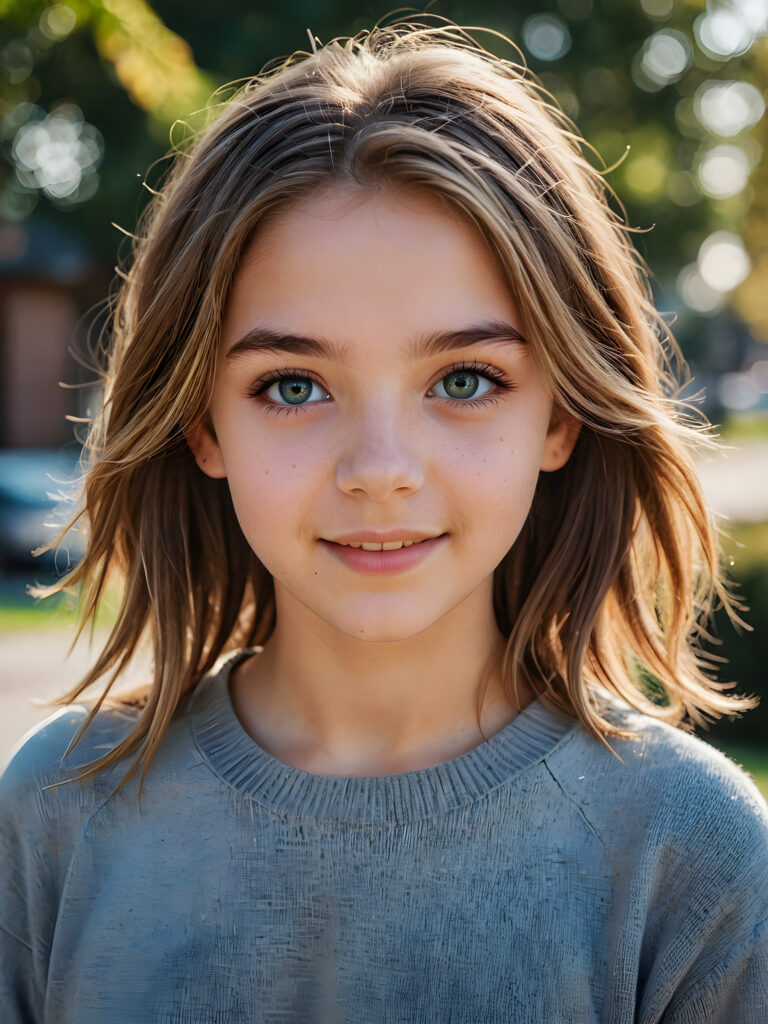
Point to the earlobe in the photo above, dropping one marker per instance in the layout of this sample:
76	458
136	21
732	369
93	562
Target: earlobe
205	448
561	439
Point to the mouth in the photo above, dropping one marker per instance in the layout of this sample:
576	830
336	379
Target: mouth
383	540
389	556
393	545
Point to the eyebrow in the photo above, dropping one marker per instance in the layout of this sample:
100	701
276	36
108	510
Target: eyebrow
264	339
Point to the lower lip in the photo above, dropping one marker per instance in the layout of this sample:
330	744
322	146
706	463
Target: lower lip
384	561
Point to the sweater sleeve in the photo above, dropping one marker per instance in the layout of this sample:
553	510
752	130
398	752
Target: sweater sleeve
735	992
19	998
33	852
717	908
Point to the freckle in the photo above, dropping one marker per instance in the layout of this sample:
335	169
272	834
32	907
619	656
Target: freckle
293	465
266	472
501	438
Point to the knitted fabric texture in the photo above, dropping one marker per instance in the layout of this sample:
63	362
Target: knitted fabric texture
536	878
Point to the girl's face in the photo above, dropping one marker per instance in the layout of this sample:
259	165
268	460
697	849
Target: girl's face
373	384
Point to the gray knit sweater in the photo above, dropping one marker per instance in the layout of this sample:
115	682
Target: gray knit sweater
535	879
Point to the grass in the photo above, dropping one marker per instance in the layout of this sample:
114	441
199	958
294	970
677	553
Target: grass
745	545
20	612
746	427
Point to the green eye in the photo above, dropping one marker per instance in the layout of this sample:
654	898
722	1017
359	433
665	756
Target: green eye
294	391
463	384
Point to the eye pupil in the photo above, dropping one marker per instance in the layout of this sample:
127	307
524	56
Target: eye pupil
295	389
461	384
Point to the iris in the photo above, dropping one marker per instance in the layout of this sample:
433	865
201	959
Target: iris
295	389
461	384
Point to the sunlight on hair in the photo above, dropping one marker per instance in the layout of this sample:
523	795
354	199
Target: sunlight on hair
616	569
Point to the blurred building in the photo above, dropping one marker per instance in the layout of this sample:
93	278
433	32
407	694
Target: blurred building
43	273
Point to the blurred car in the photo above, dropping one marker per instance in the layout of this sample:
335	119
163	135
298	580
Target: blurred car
34	484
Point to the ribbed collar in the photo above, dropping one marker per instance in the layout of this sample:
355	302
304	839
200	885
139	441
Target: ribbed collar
409	796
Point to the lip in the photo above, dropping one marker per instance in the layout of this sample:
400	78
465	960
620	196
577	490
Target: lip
376	562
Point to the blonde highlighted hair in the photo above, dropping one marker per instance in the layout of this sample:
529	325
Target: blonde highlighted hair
617	567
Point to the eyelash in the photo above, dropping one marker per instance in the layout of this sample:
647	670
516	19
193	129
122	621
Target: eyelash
481	369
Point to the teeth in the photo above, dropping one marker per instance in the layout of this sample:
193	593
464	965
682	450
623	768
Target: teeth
389	546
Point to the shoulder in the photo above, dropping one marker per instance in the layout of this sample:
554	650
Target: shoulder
44	749
664	780
43	758
684	836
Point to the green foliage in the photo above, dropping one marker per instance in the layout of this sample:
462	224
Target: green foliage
746	653
746	548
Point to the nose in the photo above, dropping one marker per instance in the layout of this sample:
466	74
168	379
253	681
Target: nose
379	457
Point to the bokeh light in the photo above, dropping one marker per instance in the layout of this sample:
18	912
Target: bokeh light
16	61
696	293
682	189
727	108
723	33
657	9
754	13
723	171
58	154
546	36
646	175
722	265
57	22
723	261
664	58
739	391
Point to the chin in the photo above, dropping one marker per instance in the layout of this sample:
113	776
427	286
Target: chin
375	631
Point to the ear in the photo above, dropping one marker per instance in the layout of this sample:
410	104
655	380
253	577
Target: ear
201	438
561	437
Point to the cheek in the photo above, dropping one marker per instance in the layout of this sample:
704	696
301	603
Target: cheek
272	486
494	483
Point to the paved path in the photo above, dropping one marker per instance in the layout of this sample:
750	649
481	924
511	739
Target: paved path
34	667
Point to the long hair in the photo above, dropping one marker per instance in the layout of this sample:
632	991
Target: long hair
612	577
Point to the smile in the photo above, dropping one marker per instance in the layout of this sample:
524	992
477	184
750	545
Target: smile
372	557
390	546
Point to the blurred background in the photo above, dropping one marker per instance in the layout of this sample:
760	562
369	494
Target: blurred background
671	95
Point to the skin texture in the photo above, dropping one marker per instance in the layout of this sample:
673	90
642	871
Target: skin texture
371	675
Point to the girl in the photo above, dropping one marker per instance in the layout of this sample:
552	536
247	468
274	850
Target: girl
391	471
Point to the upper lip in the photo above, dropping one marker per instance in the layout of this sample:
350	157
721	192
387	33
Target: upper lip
382	536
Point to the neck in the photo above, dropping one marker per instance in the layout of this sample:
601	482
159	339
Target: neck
333	705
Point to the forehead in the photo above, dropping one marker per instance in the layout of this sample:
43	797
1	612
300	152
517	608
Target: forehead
395	259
